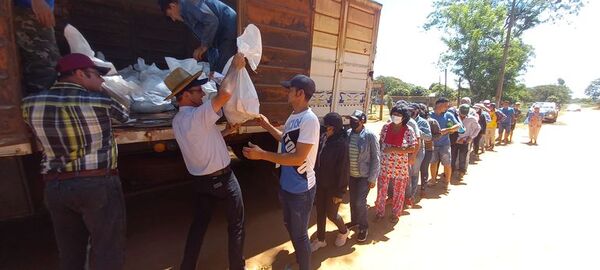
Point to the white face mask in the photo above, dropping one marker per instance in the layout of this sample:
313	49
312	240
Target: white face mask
396	119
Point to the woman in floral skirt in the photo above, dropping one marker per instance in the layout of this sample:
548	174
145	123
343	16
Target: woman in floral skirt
397	141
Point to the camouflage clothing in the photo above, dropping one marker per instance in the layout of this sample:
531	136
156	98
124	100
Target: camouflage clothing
38	51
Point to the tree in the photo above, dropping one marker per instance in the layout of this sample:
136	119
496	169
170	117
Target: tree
396	87
474	38
593	90
478	37
441	91
418	91
560	94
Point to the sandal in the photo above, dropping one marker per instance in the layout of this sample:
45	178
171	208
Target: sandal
394	219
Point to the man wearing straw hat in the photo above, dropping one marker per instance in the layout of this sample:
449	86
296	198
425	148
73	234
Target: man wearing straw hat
207	159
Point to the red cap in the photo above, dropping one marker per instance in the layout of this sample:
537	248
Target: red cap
75	61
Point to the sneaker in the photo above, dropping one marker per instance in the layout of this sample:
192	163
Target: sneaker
316	244
341	238
362	235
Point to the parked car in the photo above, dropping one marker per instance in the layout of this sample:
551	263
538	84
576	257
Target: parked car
548	109
573	108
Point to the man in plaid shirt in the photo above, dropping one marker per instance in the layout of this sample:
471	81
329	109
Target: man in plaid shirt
72	122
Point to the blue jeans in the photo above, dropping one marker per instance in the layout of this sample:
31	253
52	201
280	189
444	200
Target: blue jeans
359	189
296	214
85	208
425	167
411	191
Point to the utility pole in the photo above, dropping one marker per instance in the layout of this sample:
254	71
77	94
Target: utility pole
445	80
511	22
458	98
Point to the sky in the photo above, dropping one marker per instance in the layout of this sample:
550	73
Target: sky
567	49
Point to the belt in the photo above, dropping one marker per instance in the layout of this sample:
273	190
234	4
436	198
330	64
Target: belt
220	172
85	173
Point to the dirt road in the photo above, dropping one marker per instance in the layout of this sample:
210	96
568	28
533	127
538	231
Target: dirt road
521	207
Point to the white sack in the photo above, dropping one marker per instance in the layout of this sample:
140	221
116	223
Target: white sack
78	44
243	104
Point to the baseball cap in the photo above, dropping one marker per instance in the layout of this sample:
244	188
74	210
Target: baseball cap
486	102
358	115
75	61
464	109
301	82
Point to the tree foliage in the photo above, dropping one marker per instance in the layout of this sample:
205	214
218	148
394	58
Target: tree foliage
441	91
474	34
396	87
560	94
593	90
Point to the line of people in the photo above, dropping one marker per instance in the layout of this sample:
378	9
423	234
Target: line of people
319	163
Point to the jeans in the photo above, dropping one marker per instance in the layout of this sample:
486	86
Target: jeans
358	189
477	143
425	167
296	215
327	209
210	190
411	191
460	156
88	209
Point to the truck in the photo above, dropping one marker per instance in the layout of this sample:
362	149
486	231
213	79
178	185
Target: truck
332	41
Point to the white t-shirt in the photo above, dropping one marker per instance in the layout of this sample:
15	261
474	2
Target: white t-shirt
304	128
203	148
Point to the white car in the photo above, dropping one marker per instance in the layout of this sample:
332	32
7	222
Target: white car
574	108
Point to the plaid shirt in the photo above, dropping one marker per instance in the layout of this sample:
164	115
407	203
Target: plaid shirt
73	126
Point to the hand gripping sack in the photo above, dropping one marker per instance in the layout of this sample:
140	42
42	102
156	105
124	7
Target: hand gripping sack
243	104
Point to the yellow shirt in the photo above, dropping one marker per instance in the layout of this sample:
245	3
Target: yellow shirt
493	124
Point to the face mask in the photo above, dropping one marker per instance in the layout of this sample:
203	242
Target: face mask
354	124
396	119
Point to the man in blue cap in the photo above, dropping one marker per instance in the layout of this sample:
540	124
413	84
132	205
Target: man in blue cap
299	141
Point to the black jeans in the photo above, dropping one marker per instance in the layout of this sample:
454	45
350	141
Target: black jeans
88	210
358	187
327	209
425	167
210	190
459	154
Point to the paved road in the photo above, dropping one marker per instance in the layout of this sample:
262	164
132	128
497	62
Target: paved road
521	207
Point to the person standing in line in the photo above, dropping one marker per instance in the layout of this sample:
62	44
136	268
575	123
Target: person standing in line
490	135
363	149
441	150
428	144
332	170
516	117
506	122
397	141
472	128
415	169
299	143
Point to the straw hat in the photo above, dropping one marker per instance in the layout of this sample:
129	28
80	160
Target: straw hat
177	80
